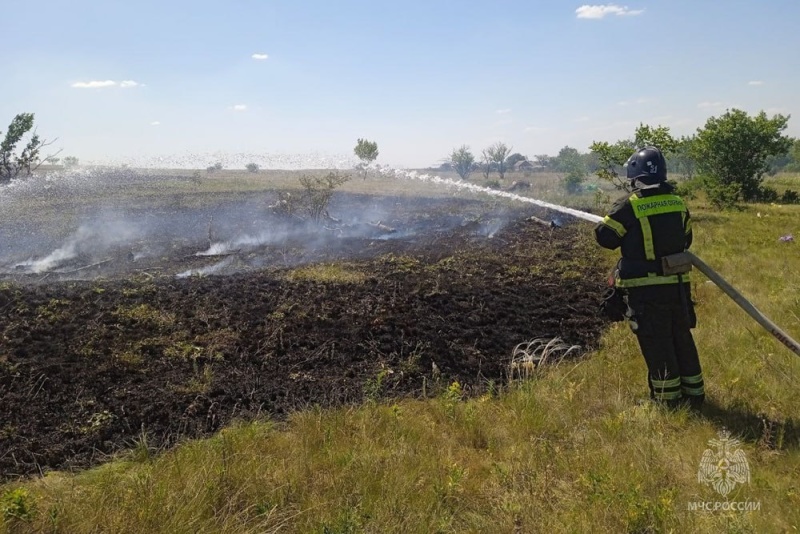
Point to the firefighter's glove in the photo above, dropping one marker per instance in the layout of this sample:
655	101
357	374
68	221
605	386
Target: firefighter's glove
613	305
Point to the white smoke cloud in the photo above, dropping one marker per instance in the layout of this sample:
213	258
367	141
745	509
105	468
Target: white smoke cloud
260	57
503	111
600	11
239	107
755	82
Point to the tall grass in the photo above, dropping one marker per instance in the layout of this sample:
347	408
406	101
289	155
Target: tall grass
570	449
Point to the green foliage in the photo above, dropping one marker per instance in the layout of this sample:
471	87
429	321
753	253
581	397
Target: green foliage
17	504
215	167
317	192
252	167
612	157
658	137
11	163
570	162
722	196
790	196
462	161
367	152
733	151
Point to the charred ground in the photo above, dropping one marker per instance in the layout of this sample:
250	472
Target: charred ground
89	366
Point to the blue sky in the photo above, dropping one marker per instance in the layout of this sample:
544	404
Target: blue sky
123	81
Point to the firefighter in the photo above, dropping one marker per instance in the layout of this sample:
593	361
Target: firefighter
649	224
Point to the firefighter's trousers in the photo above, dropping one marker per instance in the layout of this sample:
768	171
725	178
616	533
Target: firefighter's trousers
662	317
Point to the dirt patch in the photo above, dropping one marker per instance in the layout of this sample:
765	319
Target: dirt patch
87	366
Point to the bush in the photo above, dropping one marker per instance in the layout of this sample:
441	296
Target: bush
721	195
790	196
492	184
766	194
252	167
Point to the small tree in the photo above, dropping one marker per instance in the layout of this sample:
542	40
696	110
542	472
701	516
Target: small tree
732	151
462	161
28	160
545	161
215	167
70	161
367	152
570	162
252	167
486	160
612	157
498	153
317	193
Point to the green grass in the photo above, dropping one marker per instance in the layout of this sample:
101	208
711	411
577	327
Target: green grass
569	450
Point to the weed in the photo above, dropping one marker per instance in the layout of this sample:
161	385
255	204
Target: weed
17	504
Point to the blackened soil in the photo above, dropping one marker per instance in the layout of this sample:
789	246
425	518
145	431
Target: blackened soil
86	367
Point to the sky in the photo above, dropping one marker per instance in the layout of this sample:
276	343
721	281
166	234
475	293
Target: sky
117	81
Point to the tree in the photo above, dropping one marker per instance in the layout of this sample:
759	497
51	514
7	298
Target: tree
367	152
252	167
570	162
486	161
70	161
513	159
545	161
497	154
462	161
681	160
732	152
612	157
658	137
317	193
28	160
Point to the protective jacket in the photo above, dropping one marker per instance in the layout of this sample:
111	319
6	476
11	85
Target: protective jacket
648	225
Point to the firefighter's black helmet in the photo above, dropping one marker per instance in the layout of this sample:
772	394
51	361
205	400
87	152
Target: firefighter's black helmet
647	166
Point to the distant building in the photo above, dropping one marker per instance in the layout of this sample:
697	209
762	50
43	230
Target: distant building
524	165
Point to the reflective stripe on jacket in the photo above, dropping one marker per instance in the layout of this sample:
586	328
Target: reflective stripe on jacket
647	225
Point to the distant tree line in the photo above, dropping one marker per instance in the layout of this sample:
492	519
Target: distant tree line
728	158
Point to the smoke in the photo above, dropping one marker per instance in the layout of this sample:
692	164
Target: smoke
90	239
204	271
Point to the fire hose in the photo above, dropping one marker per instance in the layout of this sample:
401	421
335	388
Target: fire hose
679	262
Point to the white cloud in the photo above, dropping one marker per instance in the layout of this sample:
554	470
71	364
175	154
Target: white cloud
755	82
155	123
600	11
710	105
260	57
503	111
100	84
239	107
94	84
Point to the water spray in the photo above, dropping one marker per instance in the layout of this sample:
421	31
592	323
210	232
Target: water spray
679	260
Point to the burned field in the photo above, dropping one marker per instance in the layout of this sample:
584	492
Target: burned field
173	321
